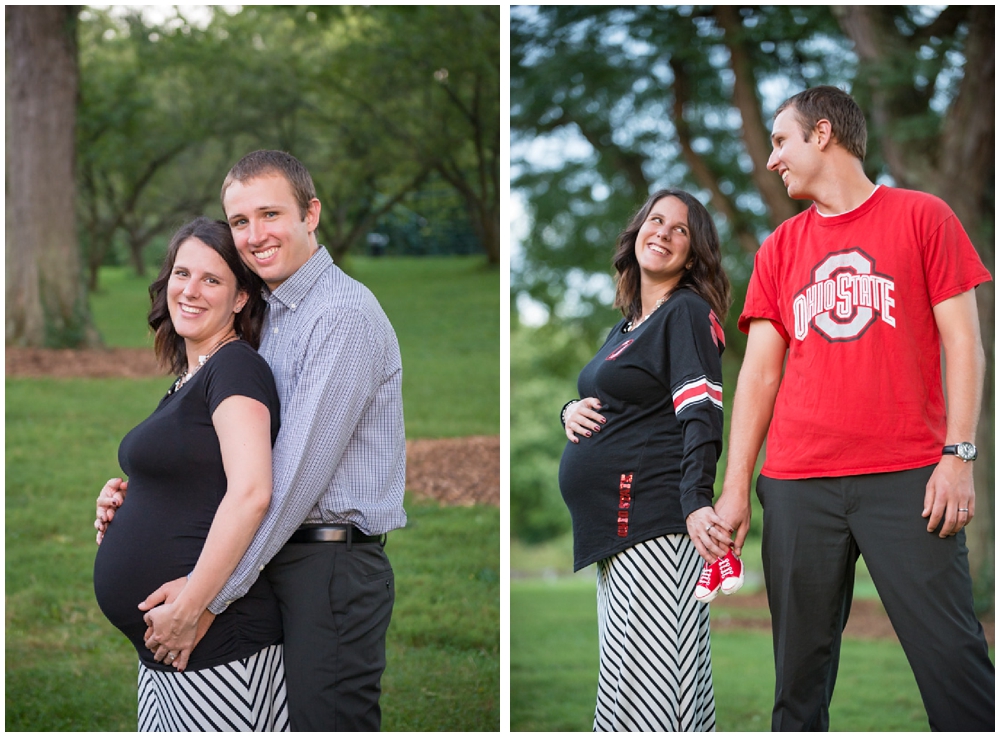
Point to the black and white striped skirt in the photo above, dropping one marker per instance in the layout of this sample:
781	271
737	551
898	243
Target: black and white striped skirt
656	656
242	696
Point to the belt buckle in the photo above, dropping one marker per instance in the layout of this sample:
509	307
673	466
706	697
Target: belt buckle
333	534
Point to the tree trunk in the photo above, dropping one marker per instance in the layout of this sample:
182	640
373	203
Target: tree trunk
45	298
491	235
755	132
702	173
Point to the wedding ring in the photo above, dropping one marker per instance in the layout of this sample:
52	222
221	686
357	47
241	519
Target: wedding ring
963	510
709	528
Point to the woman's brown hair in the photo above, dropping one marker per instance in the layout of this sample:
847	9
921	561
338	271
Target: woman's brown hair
248	322
705	277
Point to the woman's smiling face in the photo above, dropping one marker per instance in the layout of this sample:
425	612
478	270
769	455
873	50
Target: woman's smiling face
202	295
663	243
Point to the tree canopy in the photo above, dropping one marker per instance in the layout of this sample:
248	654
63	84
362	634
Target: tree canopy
383	105
610	103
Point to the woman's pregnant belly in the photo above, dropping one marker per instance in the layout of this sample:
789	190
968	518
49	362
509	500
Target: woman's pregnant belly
143	548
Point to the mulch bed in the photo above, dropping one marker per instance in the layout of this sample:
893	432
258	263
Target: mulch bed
455	471
110	363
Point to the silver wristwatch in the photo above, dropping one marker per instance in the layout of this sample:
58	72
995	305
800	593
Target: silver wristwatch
966	451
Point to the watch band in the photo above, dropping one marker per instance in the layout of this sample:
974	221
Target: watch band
966	451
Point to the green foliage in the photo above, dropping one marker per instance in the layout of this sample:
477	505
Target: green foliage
875	688
351	93
544	365
610	103
437	227
120	306
600	88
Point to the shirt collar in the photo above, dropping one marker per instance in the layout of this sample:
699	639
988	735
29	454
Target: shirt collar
845	212
293	290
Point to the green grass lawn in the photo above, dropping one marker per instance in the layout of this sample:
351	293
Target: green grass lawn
446	312
554	662
554	655
68	669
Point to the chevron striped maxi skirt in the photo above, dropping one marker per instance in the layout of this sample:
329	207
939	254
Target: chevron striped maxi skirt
245	695
656	657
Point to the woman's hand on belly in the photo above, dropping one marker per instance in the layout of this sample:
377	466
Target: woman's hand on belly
111	497
584	418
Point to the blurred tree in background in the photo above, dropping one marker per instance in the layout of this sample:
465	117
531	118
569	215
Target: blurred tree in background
45	300
610	103
394	110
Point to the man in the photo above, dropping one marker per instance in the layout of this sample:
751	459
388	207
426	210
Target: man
858	293
339	460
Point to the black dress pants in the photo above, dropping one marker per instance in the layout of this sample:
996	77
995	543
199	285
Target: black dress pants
336	601
814	530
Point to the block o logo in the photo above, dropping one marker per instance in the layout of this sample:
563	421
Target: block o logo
845	295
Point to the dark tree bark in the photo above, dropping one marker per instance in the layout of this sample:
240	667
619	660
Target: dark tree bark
702	173
755	132
45	298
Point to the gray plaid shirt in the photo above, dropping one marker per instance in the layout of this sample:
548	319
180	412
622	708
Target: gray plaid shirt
340	456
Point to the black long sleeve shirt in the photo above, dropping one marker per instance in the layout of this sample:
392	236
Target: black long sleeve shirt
654	461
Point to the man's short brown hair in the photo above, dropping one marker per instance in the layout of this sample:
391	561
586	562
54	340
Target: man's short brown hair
264	163
847	122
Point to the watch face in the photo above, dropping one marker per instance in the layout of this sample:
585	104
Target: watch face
966	451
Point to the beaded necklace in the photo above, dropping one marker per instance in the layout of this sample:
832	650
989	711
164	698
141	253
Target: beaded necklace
202	360
632	326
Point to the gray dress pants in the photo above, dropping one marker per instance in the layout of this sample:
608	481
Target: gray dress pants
336	601
814	530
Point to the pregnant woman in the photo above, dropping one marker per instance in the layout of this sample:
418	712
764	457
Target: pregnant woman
638	472
199	483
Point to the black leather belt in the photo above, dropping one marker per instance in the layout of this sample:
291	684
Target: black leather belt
332	534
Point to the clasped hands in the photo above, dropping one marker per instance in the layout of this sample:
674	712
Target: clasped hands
716	530
172	632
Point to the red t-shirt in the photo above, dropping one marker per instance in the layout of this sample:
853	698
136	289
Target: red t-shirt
852	295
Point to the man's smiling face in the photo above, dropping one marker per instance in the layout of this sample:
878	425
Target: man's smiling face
270	233
794	155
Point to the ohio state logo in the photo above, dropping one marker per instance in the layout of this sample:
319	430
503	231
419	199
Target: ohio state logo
845	295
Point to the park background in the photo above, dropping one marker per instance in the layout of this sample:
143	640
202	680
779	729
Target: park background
121	124
611	103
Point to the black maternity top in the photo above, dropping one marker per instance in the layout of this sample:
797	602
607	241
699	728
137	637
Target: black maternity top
176	481
653	462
